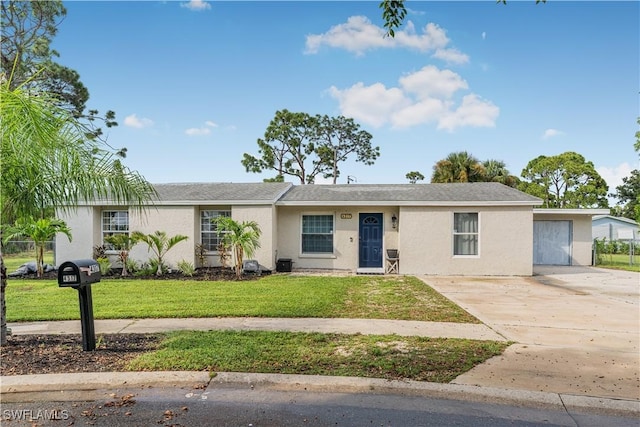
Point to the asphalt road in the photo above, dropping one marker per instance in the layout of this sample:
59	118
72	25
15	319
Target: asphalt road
240	406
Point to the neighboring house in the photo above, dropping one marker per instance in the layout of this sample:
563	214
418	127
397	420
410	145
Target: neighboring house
614	228
443	229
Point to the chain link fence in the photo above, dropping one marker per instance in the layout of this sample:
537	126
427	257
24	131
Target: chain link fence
616	252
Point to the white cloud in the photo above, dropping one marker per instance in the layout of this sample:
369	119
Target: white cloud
431	81
613	176
484	35
451	56
426	96
203	130
359	35
416	12
371	104
138	123
198	131
196	5
550	133
356	35
474	111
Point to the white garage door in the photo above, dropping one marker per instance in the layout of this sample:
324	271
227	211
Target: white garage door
552	242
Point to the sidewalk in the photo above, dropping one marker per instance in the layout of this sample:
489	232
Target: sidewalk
346	326
15	388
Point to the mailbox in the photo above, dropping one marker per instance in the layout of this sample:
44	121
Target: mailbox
78	273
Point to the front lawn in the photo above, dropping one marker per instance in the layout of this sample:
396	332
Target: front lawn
375	297
378	356
619	262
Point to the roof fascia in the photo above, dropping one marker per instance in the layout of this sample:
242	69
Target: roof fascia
586	211
405	203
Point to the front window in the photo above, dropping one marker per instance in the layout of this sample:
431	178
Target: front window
317	234
208	229
465	233
114	222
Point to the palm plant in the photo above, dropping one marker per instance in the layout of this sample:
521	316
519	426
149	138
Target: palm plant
159	243
41	231
242	237
123	243
48	161
458	167
496	171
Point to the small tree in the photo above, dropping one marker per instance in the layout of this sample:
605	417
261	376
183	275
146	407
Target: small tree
159	243
40	231
565	181
414	177
201	254
122	243
302	146
242	237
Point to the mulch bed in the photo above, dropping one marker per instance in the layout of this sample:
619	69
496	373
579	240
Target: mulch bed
206	274
54	354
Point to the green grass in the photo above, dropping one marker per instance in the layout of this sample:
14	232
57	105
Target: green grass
379	356
619	262
405	298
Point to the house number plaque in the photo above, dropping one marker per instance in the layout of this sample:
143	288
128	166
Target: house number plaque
345	216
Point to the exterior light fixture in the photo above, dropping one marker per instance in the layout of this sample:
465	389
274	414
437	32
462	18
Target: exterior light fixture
394	221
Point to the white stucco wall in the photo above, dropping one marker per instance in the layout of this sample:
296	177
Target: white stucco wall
582	242
345	237
83	223
264	215
173	220
505	241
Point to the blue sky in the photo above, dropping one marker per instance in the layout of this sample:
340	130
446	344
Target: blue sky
195	84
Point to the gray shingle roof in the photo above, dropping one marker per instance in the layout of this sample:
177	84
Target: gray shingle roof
221	192
408	194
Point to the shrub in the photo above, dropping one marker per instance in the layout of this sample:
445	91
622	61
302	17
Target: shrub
186	267
132	265
105	265
201	254
99	251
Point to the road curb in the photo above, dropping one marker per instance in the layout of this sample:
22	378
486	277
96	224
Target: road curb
524	398
12	386
99	380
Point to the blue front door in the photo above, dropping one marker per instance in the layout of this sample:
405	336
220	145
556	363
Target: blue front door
370	247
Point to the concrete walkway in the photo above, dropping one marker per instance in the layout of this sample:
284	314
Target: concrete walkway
346	326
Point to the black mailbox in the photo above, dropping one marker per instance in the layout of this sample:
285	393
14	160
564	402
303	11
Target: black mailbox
77	273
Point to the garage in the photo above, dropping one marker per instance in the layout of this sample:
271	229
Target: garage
552	242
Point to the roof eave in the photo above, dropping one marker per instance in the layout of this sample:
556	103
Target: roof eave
405	203
585	211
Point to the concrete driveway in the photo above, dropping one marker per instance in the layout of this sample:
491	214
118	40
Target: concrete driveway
577	329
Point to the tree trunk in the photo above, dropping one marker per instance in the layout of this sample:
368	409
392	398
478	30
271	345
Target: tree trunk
335	165
3	306
123	257
40	259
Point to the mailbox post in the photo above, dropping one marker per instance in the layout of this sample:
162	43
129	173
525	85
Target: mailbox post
79	275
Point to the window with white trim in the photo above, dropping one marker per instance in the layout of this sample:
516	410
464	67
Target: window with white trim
317	234
208	230
114	222
465	233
